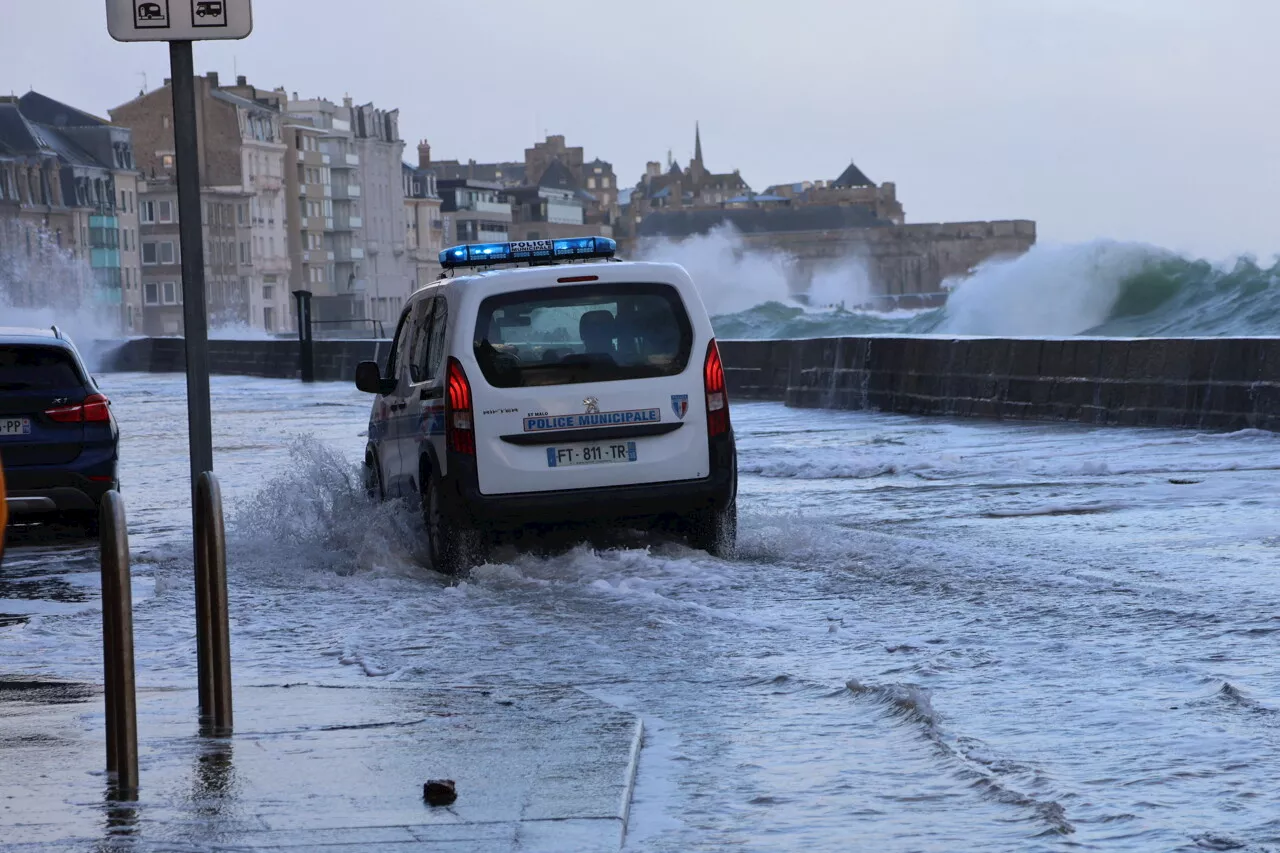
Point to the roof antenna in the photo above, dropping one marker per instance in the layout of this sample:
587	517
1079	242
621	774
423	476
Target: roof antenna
144	83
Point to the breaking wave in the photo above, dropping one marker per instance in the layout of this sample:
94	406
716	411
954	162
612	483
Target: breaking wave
1103	288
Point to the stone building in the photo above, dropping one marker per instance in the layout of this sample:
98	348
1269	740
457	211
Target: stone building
242	155
548	165
474	211
820	224
678	188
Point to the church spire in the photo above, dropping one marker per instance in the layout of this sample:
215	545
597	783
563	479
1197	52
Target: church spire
697	143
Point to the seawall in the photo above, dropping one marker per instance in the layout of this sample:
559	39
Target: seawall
1208	383
334	360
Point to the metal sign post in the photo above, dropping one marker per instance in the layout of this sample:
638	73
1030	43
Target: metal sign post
180	22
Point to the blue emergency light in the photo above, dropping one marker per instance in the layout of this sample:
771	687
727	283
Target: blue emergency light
546	251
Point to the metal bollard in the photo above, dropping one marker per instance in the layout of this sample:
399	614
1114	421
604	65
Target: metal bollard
213	633
117	647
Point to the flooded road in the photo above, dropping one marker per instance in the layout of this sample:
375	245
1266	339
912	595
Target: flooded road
938	636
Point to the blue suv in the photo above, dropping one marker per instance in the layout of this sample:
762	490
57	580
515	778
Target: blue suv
58	439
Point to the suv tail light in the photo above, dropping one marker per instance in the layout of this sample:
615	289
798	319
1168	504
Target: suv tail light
717	397
95	409
460	433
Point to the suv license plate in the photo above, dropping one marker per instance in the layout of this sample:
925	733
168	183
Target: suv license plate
591	454
15	426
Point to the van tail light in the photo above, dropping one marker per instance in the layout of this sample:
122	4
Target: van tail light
96	409
717	396
460	434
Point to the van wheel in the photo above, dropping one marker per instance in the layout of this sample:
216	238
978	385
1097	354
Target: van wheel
715	530
373	481
453	548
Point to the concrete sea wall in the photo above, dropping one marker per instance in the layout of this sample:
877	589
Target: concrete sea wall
1208	383
334	360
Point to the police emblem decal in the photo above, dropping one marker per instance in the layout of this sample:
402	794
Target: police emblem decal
680	405
592	404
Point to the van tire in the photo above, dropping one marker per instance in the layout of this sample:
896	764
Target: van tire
715	530
452	547
373	481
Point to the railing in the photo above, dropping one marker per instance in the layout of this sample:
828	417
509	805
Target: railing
375	328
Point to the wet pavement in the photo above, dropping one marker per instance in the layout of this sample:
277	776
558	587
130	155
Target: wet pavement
939	635
341	768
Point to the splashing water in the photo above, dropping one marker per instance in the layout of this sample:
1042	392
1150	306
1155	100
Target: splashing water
43	284
1104	288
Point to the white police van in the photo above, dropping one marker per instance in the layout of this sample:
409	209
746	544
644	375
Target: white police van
553	391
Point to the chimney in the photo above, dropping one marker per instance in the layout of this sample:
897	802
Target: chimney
167	82
242	80
213	79
346	101
424	155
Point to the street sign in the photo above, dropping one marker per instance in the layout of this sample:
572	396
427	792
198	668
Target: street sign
178	20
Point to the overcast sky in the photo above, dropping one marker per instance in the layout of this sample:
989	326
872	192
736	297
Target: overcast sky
1151	120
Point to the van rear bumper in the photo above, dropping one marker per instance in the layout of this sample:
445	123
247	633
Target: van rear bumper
613	503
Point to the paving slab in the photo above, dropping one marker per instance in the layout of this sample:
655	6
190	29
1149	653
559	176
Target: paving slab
315	767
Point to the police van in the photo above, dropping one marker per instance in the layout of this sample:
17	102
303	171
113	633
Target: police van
553	385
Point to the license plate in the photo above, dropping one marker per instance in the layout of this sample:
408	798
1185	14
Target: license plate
15	426
596	453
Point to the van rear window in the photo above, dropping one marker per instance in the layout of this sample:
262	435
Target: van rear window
37	368
583	333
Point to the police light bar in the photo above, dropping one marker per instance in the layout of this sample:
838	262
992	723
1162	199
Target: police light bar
487	254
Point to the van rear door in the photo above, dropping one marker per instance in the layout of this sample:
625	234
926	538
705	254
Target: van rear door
587	386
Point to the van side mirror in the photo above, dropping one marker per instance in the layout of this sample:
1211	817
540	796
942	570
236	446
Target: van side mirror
369	379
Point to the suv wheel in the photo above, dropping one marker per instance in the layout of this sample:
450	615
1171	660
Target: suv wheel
715	530
452	547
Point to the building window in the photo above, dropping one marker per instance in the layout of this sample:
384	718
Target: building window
164	121
150	293
147	212
591	183
268	292
166	252
148	254
242	214
170	292
166	160
166	211
244	252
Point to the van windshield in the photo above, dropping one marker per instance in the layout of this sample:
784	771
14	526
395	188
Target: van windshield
585	333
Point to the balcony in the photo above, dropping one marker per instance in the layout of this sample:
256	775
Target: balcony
349	191
327	190
266	183
353	159
302	190
328	223
348	255
356	221
324	158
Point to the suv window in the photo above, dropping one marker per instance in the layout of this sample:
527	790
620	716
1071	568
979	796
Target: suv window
586	333
37	368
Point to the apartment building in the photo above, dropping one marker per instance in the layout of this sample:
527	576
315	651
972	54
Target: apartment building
424	223
370	272
379	196
242	168
68	180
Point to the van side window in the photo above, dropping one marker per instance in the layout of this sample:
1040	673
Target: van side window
393	357
439	334
419	370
